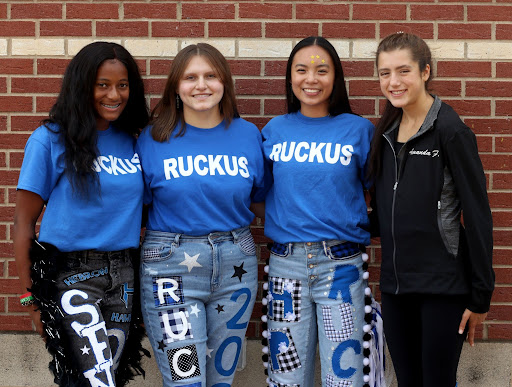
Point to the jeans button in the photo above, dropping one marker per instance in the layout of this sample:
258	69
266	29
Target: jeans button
309	243
310	256
311	266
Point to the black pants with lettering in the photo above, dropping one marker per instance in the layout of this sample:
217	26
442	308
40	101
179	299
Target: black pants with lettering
95	294
422	335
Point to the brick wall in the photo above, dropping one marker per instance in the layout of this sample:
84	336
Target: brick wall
471	42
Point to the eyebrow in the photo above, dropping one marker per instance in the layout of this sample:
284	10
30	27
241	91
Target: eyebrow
398	68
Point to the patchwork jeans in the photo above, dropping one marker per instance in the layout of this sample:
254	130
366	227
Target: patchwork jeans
197	298
316	295
95	294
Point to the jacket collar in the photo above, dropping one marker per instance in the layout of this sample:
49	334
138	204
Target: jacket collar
428	123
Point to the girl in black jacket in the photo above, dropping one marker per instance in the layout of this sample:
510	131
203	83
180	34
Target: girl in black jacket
436	275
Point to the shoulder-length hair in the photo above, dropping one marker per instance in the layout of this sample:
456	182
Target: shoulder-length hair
420	53
167	115
75	114
338	101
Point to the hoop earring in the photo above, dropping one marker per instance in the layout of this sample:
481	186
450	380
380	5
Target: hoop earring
178	102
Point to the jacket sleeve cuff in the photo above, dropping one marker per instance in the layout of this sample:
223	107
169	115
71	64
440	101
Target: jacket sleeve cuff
480	301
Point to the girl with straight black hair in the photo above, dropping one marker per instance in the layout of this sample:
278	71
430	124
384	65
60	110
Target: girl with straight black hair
338	100
81	166
316	215
436	274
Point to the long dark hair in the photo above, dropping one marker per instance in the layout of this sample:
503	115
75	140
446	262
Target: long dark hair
420	53
167	115
75	115
338	101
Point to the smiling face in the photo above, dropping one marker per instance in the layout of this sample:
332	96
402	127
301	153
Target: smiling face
200	90
401	80
111	92
312	79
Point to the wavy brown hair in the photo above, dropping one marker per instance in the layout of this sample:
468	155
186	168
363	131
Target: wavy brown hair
166	116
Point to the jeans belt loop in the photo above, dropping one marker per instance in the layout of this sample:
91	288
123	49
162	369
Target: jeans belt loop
325	248
290	248
235	235
177	240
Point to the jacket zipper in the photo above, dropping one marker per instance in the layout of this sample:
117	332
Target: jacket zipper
393	214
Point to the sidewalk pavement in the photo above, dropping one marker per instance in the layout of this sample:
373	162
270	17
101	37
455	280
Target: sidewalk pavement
24	362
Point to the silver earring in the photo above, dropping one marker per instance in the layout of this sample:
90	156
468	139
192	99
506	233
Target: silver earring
178	101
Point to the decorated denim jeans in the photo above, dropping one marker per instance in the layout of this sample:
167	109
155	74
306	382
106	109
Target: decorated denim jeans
315	295
197	298
95	295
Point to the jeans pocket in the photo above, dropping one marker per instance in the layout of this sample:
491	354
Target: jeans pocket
343	251
246	244
156	252
280	249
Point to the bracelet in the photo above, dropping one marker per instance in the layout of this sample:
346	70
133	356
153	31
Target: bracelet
27	299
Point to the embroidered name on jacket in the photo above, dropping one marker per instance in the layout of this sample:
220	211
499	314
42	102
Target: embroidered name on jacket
426	152
312	152
203	165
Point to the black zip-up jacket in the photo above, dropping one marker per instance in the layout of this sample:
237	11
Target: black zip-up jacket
418	204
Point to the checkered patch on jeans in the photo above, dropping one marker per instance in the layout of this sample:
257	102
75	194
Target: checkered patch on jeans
282	351
183	362
276	384
279	248
344	250
175	325
151	253
347	323
330	382
168	290
284	299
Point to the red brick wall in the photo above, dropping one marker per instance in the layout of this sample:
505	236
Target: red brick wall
471	43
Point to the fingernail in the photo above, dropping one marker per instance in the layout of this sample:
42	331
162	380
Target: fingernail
461	331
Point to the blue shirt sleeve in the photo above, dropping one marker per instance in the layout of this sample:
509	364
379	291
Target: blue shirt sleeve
40	169
139	149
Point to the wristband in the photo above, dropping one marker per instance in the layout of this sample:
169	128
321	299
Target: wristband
27	299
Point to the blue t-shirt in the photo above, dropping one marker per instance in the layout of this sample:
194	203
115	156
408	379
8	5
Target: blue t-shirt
110	218
318	167
204	181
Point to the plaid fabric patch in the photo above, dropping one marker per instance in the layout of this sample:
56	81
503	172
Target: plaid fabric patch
175	325
279	248
344	250
183	362
330	382
347	323
168	291
151	253
283	351
276	384
284	299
